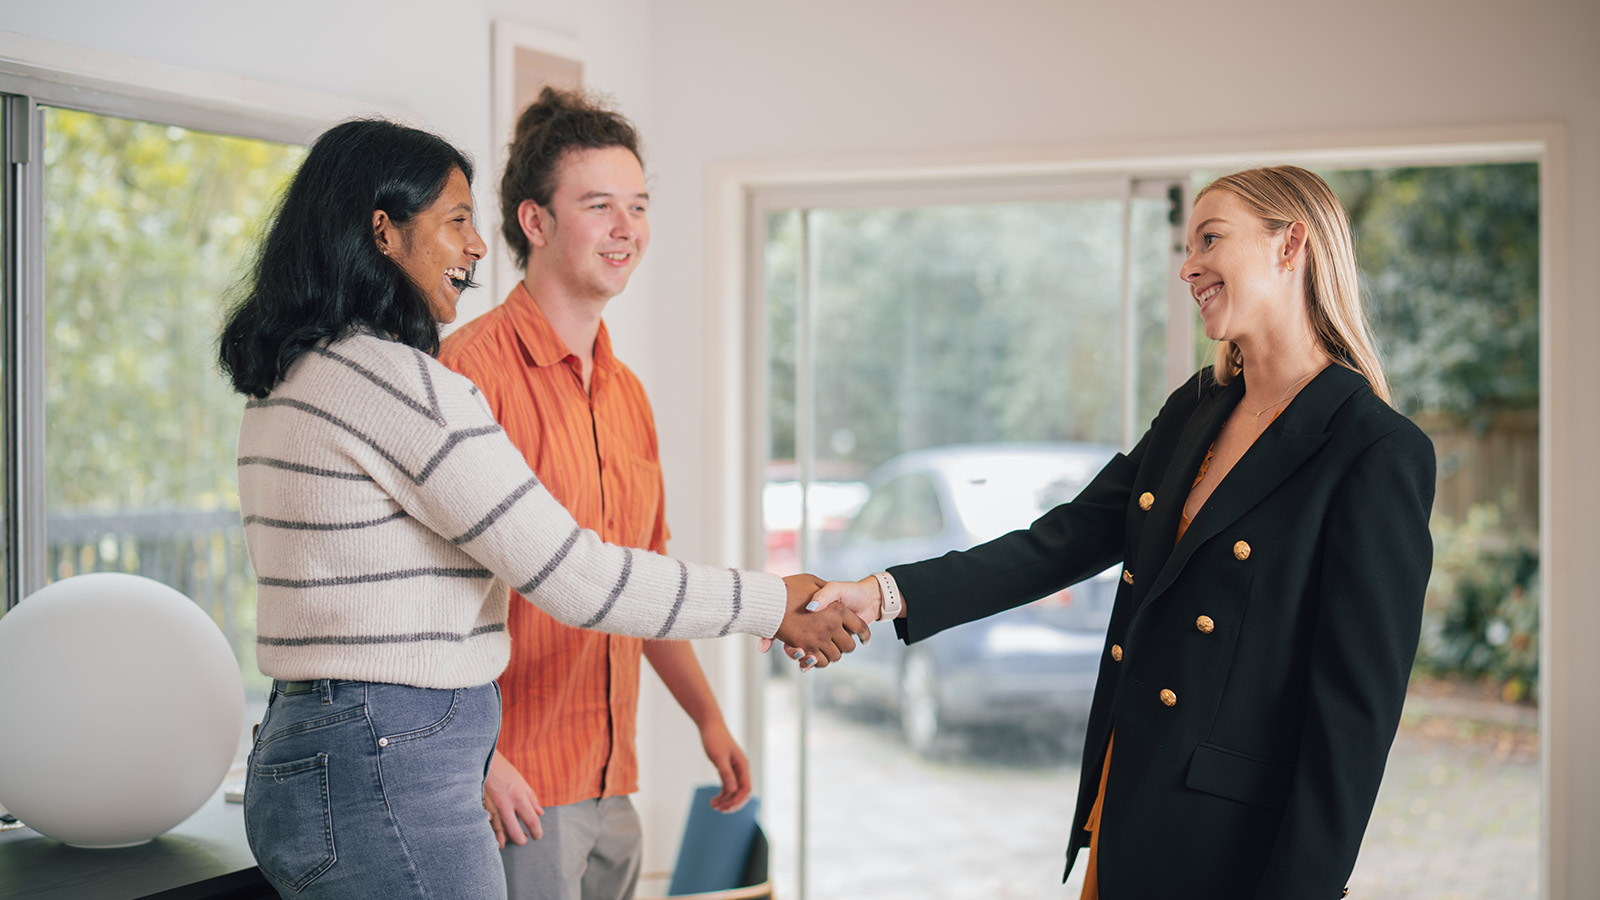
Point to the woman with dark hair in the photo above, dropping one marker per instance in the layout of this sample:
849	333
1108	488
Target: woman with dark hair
1272	526
386	514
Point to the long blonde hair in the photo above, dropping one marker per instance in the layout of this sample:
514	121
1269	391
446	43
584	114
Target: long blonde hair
1281	196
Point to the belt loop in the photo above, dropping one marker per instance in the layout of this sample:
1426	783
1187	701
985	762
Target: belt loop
325	685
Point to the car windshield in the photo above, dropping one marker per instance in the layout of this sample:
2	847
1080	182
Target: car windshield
1003	492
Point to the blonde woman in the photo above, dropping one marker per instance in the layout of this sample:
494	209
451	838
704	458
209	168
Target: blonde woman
1273	530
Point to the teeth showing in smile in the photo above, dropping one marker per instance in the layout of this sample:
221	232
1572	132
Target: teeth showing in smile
1208	293
456	273
618	257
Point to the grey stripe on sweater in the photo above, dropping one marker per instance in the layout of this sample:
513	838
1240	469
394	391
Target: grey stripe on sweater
453	439
325	526
374	577
738	591
288	466
500	509
622	582
550	567
348	640
431	411
683	592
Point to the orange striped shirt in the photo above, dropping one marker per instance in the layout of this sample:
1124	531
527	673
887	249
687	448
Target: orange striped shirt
569	696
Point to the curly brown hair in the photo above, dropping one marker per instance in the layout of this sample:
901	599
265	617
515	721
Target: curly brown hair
556	123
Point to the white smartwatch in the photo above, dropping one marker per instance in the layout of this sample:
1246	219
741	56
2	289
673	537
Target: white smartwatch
891	597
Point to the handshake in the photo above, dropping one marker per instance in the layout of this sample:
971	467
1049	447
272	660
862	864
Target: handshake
823	620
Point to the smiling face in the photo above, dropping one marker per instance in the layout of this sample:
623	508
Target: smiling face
587	241
438	248
1236	268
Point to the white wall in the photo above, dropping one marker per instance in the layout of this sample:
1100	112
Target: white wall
824	81
428	59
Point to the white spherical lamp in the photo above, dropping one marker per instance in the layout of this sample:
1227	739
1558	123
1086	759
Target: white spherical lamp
121	709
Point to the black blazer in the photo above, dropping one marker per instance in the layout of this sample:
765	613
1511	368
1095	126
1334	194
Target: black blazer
1254	670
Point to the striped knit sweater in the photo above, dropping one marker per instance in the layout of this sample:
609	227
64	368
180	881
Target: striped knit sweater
386	513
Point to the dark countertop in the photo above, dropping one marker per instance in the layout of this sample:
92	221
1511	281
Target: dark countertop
204	856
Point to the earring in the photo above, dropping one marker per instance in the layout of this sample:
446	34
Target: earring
1290	267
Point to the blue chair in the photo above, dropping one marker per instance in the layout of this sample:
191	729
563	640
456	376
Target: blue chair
723	856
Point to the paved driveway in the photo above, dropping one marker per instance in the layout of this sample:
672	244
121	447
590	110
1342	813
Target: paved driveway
1458	818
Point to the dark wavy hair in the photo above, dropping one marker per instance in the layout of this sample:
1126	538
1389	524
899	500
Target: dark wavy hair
553	124
319	274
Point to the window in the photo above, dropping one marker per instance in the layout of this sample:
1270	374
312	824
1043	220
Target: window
144	228
1449	258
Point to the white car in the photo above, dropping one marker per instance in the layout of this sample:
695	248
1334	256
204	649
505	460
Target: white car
1031	667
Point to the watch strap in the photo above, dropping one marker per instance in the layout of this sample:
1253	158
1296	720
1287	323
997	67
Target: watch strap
892	604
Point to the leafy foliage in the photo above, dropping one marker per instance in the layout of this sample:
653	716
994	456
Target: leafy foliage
146	227
1449	257
994	322
1483	621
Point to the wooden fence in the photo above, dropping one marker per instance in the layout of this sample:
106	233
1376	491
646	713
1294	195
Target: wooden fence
1493	459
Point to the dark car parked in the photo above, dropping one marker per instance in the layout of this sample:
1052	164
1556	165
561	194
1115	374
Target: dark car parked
1031	667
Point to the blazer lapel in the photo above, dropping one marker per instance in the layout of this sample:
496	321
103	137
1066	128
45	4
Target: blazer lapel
1299	432
1155	546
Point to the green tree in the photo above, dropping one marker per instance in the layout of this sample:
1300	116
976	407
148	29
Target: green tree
1449	257
946	324
146	228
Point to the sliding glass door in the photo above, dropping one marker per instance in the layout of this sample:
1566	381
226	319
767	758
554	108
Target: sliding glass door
940	373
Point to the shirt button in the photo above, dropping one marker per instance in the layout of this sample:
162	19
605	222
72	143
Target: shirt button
1116	652
1205	624
1147	500
1168	697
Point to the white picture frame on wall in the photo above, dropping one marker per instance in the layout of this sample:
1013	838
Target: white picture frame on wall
524	60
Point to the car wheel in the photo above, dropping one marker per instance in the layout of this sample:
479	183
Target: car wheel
921	720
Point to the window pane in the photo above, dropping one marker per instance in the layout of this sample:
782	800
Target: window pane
967	365
147	227
1150	244
1449	260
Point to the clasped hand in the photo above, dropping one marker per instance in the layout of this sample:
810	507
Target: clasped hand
823	620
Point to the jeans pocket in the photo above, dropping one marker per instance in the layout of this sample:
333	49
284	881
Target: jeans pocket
287	820
399	713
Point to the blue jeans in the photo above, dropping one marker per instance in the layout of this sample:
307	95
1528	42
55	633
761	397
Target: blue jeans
362	790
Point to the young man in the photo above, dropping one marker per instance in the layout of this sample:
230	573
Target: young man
574	207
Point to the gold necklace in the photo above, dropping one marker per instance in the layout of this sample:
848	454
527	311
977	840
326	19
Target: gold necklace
1292	388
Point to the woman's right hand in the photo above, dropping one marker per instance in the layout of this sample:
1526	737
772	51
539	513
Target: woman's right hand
822	636
864	597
